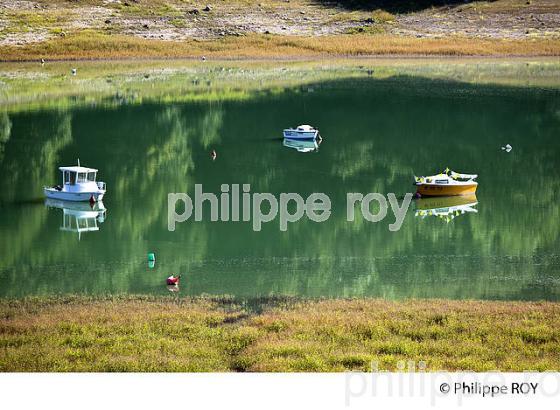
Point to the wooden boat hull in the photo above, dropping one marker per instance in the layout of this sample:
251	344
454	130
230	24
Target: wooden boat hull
439	202
445	190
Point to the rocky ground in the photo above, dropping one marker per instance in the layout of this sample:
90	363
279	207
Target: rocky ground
23	22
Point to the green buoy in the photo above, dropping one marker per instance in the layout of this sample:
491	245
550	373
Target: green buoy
151	257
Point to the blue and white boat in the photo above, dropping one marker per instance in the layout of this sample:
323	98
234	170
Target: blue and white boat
302	132
78	184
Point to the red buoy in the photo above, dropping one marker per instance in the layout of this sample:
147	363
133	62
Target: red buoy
173	280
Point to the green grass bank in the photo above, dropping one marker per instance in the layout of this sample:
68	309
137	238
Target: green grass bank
163	334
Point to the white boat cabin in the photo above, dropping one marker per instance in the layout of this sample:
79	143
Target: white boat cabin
76	174
78	184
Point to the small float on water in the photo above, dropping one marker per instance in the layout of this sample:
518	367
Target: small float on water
173	280
78	184
172	283
448	183
302	132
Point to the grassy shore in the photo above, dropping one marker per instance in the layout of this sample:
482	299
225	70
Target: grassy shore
85	45
275	334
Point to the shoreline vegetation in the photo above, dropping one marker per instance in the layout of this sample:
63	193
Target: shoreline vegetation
25	86
275	334
275	29
92	46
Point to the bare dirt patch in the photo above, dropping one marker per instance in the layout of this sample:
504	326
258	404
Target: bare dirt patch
504	20
23	22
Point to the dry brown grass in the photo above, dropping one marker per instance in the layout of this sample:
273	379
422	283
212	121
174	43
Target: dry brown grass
95	46
220	334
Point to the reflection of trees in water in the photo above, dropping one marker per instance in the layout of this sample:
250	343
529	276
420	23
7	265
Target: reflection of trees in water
5	129
517	218
379	152
23	176
34	163
49	157
163	163
353	160
161	160
210	126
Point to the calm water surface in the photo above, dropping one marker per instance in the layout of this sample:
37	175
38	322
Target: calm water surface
377	135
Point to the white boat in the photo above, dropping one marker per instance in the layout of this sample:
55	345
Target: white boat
302	145
302	132
79	216
78	184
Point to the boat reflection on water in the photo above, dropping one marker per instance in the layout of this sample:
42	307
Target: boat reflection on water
79	216
309	145
446	208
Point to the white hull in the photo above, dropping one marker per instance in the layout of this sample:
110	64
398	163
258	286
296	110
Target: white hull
81	209
300	135
73	196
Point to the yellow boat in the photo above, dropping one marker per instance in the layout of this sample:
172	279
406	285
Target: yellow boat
448	183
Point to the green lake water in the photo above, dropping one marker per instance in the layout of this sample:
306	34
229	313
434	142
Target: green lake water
377	133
